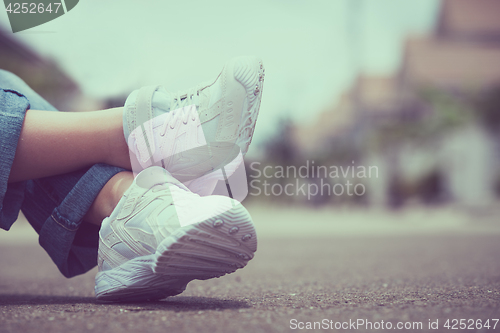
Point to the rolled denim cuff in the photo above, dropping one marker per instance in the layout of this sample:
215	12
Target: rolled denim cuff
71	244
13	109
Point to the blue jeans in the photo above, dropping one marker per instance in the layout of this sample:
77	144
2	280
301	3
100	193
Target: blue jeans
54	206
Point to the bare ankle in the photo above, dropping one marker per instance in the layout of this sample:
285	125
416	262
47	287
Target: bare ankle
117	151
108	197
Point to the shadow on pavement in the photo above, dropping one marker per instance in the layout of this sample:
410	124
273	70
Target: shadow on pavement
24	299
179	303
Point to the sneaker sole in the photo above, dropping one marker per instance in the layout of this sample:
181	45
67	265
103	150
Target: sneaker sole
249	72
209	249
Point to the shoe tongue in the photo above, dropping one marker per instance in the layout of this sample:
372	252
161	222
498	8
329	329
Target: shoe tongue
154	176
161	101
144	181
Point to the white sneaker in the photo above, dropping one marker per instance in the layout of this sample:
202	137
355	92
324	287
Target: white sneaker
161	236
160	126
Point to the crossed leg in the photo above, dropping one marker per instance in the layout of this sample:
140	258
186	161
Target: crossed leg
54	143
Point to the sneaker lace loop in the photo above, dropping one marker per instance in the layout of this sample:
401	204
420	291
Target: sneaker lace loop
183	99
179	110
180	114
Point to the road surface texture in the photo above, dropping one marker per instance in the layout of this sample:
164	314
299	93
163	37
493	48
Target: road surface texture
334	267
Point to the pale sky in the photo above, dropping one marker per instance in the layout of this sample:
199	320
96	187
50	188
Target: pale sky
310	49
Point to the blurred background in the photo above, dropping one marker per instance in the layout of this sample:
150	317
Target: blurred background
411	88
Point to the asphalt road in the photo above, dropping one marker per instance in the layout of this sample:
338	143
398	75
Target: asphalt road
408	277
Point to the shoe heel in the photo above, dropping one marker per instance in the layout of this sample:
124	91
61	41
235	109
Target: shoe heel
250	72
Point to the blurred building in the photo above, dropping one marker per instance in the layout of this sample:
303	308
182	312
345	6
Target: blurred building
415	125
331	124
462	59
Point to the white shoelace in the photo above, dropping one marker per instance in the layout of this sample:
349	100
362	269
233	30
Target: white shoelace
180	100
180	114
